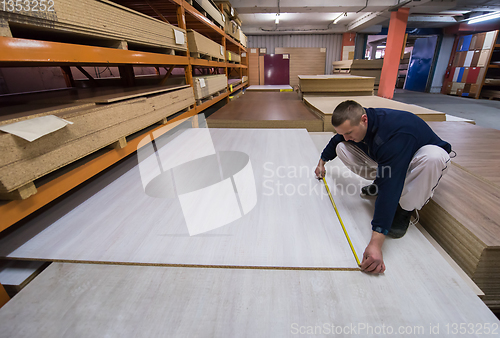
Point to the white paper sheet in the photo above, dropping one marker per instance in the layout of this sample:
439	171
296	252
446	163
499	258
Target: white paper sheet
179	37
202	83
35	128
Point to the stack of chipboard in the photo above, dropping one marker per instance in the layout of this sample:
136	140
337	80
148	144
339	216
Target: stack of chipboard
212	11
199	44
323	107
463	215
102	20
233	57
372	68
208	85
303	61
94	127
341	66
242	38
336	84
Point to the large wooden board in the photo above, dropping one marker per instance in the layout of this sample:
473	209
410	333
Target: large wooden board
336	83
304	61
324	106
94	127
82	300
203	45
122	224
98	19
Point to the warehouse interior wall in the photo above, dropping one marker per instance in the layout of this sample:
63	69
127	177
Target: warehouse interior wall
332	43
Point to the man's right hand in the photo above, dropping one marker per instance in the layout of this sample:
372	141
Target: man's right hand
320	169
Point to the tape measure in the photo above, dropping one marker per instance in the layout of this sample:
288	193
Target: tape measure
341	223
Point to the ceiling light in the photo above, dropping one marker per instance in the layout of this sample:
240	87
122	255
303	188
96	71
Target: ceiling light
485	17
339	17
277	20
382	46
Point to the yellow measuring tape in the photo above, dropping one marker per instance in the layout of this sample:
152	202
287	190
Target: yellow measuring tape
341	223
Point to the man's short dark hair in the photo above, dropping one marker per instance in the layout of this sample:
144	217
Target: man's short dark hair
347	110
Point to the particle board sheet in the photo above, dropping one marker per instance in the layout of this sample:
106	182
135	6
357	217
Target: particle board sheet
335	83
304	61
270	88
324	106
93	128
203	45
207	85
253	66
211	10
23	106
257	109
93	300
477	148
99	19
120	222
15	275
232	56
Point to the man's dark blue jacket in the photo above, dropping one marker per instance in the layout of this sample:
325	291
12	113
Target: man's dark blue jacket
392	138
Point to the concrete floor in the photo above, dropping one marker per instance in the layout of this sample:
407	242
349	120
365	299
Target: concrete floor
486	113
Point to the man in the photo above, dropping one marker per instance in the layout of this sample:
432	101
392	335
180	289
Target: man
404	156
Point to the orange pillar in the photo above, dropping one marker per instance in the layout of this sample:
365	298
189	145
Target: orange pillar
394	46
4	298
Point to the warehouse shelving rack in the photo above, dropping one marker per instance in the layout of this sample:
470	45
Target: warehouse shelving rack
16	52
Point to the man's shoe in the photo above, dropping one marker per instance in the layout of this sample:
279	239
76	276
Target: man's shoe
400	223
369	191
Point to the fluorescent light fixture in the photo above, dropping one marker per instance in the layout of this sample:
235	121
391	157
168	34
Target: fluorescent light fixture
485	17
381	46
277	20
337	19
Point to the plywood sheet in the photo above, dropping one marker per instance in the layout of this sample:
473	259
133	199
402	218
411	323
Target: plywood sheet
121	223
100	19
335	83
203	45
93	128
207	85
89	300
270	88
326	105
304	61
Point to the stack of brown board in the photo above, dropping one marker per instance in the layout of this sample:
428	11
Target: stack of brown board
372	68
94	127
463	214
265	110
98	19
208	85
342	67
323	107
304	61
253	66
201	46
211	11
233	57
336	85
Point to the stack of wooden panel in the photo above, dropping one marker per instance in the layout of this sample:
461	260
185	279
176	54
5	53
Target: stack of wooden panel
253	66
304	61
208	85
94	127
99	19
343	67
463	215
242	38
372	68
336	85
323	107
233	57
201	46
211	11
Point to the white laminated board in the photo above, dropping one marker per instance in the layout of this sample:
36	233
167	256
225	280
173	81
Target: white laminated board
291	223
84	300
